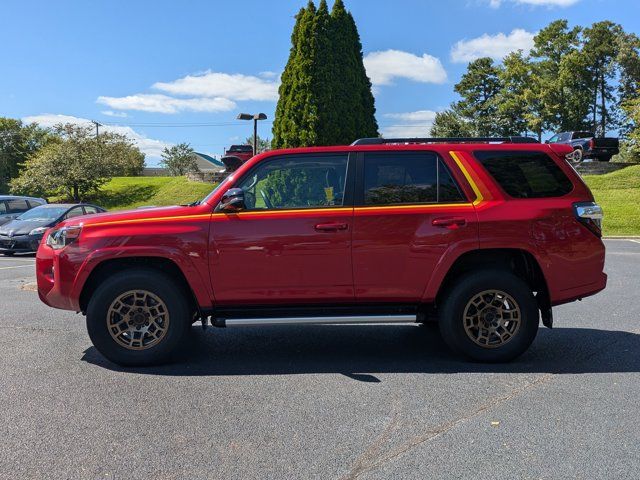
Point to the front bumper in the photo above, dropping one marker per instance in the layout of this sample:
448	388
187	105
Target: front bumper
19	243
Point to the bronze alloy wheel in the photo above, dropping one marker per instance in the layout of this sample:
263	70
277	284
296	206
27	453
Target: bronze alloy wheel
138	320
492	318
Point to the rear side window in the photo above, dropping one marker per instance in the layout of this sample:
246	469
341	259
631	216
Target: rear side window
17	206
35	203
3	208
394	178
524	174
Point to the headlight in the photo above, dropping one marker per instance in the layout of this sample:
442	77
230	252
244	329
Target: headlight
38	231
64	236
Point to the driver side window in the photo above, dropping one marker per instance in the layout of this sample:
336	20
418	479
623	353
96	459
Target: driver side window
311	181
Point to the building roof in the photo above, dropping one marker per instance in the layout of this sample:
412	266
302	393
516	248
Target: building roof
210	159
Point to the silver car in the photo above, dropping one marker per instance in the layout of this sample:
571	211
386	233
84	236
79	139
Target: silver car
11	206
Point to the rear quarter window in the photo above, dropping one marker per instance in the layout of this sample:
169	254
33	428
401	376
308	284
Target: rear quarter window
523	174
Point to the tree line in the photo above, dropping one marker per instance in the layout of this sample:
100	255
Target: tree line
572	79
67	161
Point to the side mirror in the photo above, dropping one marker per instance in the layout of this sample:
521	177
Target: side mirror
546	141
232	201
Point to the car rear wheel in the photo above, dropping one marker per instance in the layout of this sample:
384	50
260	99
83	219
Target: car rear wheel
138	317
578	155
8	254
606	158
489	316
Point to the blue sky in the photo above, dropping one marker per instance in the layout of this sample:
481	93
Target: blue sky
166	72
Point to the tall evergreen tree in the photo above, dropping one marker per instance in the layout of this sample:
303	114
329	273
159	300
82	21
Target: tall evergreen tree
600	54
479	88
325	94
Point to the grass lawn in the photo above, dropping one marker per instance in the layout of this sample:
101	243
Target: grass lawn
130	192
617	192
619	195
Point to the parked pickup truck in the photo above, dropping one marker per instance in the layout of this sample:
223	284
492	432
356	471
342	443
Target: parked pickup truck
236	155
587	145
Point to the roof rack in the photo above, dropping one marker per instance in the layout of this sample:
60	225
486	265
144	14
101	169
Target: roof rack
384	141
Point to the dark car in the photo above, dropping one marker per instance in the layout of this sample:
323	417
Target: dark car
23	234
11	206
587	145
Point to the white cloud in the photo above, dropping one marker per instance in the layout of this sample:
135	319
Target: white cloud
165	104
495	46
413	124
224	85
151	147
383	67
111	113
546	3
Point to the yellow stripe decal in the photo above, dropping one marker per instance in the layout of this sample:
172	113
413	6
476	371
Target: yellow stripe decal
474	186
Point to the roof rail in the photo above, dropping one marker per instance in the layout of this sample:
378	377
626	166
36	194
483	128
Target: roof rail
384	141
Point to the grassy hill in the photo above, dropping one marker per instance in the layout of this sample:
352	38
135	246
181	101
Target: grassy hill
130	192
617	192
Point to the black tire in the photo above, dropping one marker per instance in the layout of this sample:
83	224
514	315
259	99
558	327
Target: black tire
604	159
160	285
455	302
8	254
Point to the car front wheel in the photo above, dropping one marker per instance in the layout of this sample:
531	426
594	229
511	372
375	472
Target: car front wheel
138	317
489	316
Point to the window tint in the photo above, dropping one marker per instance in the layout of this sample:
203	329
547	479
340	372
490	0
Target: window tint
296	182
90	210
3	208
582	135
392	178
524	174
35	203
17	206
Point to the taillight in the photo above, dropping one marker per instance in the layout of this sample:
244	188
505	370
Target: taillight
590	215
591	144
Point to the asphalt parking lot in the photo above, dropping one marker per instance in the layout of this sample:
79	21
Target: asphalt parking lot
344	402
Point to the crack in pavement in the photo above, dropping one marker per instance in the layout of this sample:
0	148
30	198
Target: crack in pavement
367	461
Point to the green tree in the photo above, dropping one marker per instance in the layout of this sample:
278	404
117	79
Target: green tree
263	145
601	42
17	143
513	109
631	109
449	123
479	88
74	163
179	159
325	96
558	100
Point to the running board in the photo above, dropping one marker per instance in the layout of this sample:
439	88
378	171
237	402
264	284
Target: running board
335	320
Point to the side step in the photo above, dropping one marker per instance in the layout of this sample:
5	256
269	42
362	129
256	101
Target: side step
334	320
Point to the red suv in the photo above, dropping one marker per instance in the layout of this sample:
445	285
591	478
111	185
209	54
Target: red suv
484	236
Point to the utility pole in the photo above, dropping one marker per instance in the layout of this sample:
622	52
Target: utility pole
98	125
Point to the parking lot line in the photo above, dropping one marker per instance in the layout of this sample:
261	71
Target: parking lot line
635	241
17	266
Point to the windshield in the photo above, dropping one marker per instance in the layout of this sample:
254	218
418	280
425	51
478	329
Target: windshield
43	214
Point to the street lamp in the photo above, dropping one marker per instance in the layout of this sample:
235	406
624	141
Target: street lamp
255	118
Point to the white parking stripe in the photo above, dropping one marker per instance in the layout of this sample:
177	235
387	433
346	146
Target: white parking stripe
635	241
16	266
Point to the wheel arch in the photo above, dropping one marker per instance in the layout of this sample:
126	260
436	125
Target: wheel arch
518	261
108	267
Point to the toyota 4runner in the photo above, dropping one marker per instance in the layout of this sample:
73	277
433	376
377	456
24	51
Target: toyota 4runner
484	236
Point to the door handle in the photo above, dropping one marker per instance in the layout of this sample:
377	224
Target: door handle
330	227
449	222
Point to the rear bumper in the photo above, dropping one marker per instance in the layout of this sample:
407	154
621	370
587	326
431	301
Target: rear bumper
578	293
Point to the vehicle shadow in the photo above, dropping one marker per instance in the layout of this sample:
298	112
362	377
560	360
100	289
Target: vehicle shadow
361	352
